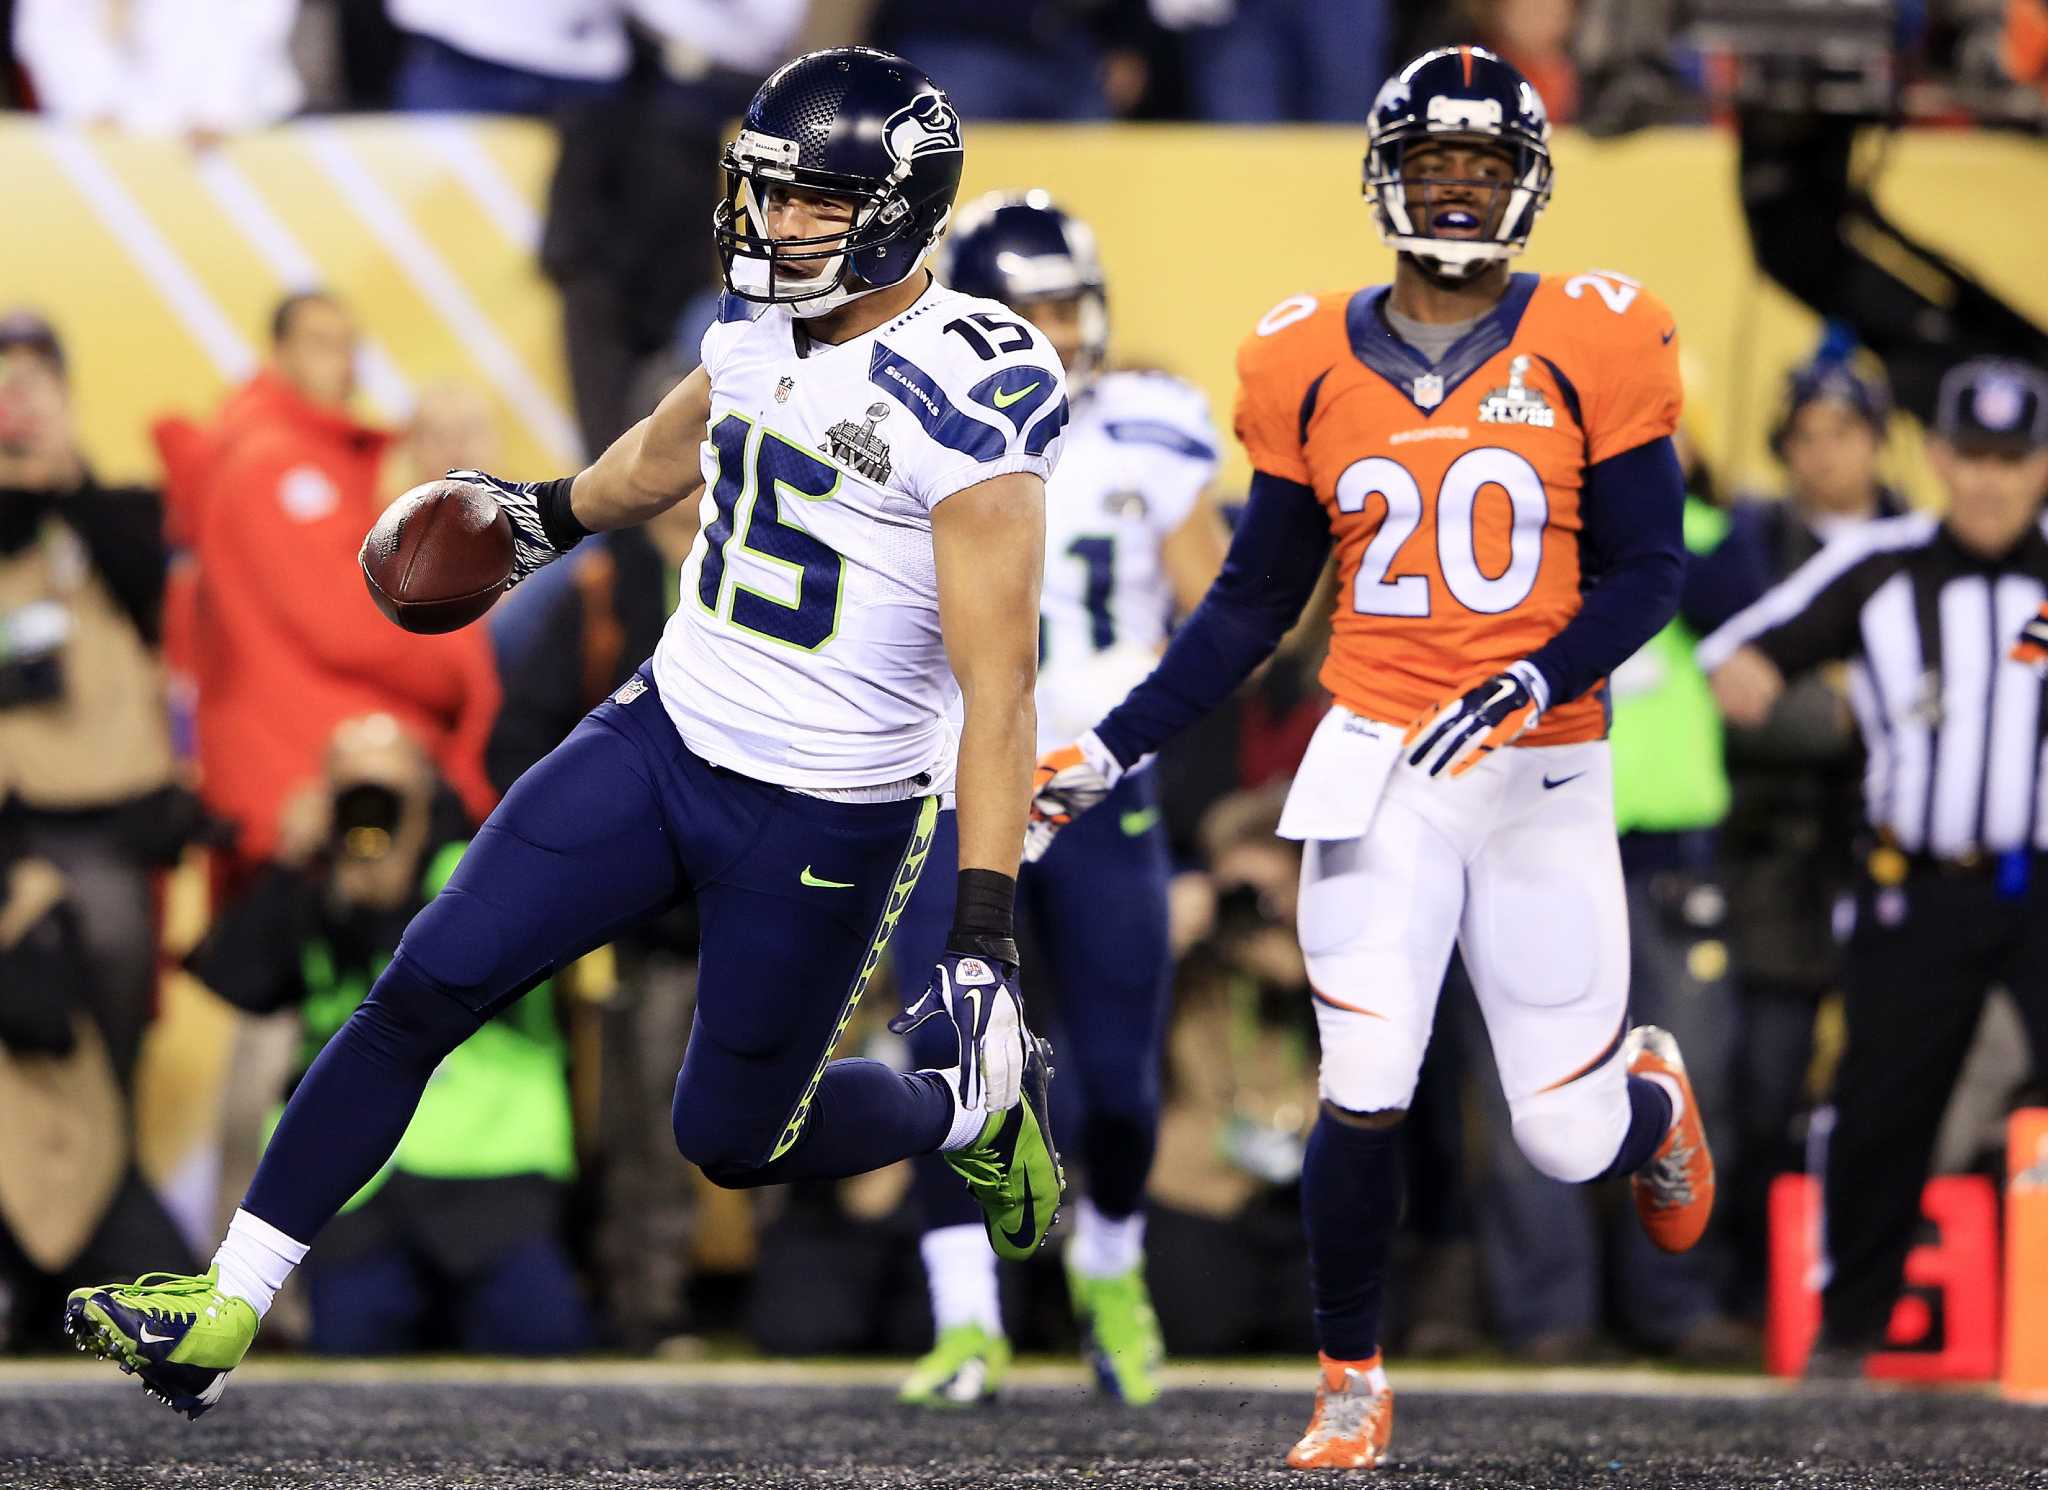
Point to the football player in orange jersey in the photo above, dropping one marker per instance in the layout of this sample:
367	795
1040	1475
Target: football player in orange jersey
1489	454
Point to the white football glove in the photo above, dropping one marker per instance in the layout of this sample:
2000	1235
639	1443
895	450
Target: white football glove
1071	779
980	996
530	547
1458	733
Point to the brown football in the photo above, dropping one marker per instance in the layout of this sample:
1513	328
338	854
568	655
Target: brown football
439	557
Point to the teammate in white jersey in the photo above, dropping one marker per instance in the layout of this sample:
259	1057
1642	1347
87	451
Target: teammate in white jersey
1131	537
868	452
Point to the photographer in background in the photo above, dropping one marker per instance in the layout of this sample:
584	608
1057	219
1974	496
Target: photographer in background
88	811
463	1227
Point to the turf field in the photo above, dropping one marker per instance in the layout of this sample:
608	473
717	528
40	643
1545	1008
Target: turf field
413	1428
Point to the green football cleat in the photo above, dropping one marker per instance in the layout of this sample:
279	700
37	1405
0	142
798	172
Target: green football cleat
180	1334
1012	1168
966	1366
1121	1334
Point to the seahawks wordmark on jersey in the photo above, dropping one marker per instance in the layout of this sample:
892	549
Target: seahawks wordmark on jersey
806	648
1139	452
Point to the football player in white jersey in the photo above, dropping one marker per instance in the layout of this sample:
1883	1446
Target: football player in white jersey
868	451
1131	538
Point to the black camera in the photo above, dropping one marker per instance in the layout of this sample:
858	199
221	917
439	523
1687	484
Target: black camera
32	642
366	818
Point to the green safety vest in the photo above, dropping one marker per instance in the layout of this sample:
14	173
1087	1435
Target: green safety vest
1669	775
497	1106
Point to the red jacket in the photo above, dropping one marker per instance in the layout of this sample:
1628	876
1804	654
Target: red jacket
274	625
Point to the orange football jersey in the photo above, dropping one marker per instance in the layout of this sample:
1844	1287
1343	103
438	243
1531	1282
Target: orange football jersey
1453	491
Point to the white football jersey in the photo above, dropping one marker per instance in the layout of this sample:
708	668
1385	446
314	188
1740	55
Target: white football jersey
805	650
1139	451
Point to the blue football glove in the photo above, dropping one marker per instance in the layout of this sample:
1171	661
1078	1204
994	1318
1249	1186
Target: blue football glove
1460	732
979	992
530	547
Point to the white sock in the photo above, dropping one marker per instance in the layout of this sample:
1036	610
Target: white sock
1671	1085
254	1260
967	1123
962	1273
1102	1248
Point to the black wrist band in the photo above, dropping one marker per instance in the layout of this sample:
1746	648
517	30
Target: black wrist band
984	909
557	518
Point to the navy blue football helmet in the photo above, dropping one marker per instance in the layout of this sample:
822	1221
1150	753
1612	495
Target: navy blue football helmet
852	122
1018	247
1458	93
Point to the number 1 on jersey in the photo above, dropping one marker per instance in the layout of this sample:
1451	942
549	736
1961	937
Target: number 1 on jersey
777	466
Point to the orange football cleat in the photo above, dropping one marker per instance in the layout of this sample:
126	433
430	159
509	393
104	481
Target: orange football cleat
1352	1423
1675	1190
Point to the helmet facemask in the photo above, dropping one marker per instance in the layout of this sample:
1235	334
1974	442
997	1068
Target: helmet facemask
751	257
1506	210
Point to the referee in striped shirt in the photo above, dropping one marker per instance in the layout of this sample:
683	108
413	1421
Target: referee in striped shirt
1954	895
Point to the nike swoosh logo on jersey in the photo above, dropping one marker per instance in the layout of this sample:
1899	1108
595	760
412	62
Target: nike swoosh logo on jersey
1550	785
1669	334
812	882
1004	400
1136	824
148	1339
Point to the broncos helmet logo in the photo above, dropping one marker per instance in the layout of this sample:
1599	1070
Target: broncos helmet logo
926	125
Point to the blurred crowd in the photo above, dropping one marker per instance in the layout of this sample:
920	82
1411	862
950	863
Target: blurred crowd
192	679
204	68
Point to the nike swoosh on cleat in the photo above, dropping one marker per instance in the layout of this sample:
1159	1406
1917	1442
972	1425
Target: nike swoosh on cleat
1004	399
1550	785
811	881
148	1339
1022	1236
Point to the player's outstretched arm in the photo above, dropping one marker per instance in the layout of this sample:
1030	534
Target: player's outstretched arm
989	541
647	470
1270	571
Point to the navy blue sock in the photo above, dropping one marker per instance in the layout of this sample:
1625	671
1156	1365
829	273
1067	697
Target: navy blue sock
353	1104
864	1116
1350	1201
1649	1119
1116	1150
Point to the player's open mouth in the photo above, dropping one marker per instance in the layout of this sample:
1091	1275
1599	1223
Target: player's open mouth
1455	222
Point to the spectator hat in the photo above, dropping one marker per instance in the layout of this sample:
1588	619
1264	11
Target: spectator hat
24	328
1830	379
1993	406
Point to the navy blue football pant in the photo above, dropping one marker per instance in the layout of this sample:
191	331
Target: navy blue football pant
797	897
1096	908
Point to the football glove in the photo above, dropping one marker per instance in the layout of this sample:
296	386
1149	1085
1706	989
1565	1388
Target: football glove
1071	779
1458	733
2032	647
979	993
531	549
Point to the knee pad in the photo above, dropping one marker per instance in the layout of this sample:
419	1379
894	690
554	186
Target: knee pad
407	1008
716	1143
1574	1132
458	942
1369	1065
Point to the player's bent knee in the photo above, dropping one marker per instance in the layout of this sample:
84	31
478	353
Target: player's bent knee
733	1154
1366	1067
458	942
407	1008
1572	1133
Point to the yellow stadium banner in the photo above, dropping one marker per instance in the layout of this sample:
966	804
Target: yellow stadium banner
160	264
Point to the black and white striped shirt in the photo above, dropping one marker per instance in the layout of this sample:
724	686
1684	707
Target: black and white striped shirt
1953	726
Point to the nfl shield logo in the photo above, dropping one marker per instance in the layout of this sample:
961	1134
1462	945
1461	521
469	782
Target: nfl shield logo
1429	391
782	389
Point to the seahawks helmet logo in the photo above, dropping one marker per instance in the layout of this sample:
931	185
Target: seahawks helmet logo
926	125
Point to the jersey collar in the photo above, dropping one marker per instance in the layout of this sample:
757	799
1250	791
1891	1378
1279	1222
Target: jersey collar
1427	385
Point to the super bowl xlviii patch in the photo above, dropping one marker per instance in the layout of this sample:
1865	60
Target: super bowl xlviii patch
1517	403
858	447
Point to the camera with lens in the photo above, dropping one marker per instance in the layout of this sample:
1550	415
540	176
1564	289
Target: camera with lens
32	640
